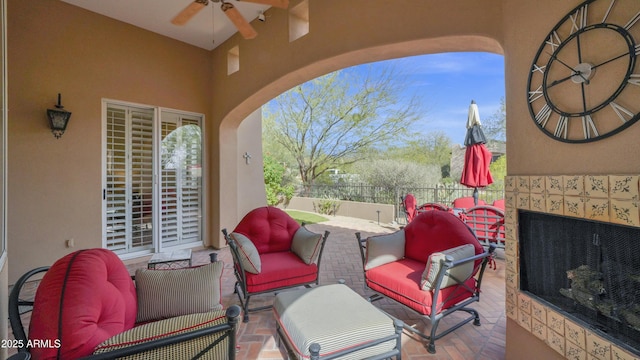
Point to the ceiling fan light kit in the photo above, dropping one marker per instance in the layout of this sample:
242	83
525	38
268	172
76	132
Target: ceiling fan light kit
244	27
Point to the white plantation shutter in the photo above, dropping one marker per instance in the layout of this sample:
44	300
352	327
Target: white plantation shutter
132	180
181	179
169	194
116	182
141	179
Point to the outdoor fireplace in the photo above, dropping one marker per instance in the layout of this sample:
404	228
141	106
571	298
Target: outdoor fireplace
588	271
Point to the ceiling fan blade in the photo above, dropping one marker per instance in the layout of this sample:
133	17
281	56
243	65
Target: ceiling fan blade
244	28
190	11
283	4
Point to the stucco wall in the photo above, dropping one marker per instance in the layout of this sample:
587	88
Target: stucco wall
54	186
383	213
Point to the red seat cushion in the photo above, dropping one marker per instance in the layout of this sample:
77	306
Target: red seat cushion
434	231
400	280
85	298
281	269
269	228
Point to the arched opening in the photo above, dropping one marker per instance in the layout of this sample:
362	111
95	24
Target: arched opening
236	198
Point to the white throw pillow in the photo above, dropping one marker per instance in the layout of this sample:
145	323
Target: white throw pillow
249	257
306	245
383	249
460	272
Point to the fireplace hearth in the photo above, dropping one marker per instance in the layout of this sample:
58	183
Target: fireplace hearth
587	270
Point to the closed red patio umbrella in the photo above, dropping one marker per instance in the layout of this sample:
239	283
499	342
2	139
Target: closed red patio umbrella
475	172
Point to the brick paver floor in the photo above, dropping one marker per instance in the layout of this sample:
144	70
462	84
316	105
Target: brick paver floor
341	261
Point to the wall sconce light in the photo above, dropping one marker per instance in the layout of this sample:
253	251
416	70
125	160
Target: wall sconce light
247	157
58	119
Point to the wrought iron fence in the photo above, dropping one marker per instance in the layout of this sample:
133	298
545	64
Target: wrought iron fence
443	194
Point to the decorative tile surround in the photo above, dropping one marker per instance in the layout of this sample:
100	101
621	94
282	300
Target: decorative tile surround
607	198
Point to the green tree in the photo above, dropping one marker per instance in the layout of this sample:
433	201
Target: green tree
498	169
334	120
495	126
274	181
434	148
391	174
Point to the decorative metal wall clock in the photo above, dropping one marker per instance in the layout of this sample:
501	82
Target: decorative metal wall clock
584	84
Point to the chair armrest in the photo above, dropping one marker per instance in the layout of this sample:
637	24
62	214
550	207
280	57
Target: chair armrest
222	333
383	249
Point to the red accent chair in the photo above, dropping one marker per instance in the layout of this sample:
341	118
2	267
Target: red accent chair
499	204
466	202
271	251
487	222
87	306
433	266
433	206
409	204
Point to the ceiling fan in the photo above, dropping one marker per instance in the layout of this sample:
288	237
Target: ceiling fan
244	28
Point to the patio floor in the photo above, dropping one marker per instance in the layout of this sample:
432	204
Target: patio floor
341	261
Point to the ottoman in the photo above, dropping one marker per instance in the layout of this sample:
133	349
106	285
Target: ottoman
334	322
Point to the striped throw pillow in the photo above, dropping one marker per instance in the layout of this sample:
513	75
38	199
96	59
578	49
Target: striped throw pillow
164	294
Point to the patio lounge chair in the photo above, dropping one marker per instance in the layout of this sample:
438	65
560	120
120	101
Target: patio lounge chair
271	251
87	306
487	222
433	266
433	206
409	204
466	202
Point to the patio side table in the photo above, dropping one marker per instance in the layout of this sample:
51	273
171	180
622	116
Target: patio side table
170	260
333	321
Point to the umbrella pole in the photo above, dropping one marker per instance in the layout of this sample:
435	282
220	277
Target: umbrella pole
475	196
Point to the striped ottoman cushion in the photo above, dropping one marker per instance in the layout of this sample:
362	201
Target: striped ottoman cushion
333	316
163	328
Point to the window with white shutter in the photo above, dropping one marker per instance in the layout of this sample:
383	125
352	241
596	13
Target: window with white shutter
133	218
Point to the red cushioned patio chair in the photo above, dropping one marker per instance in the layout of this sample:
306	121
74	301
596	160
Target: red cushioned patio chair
433	266
433	206
466	203
271	251
499	204
487	222
87	306
409	205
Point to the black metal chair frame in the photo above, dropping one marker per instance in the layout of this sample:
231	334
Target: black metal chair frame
240	287
17	308
435	319
491	223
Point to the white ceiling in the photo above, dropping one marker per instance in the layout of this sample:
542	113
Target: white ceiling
156	15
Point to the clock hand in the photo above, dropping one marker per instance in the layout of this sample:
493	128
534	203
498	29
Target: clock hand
560	61
610	60
575	72
556	82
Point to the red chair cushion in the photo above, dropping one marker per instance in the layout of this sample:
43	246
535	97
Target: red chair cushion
409	202
400	280
281	269
269	228
434	231
85	298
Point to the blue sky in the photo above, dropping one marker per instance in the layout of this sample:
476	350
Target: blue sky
448	82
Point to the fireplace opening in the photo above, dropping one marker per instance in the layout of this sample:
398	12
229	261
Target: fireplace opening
588	270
